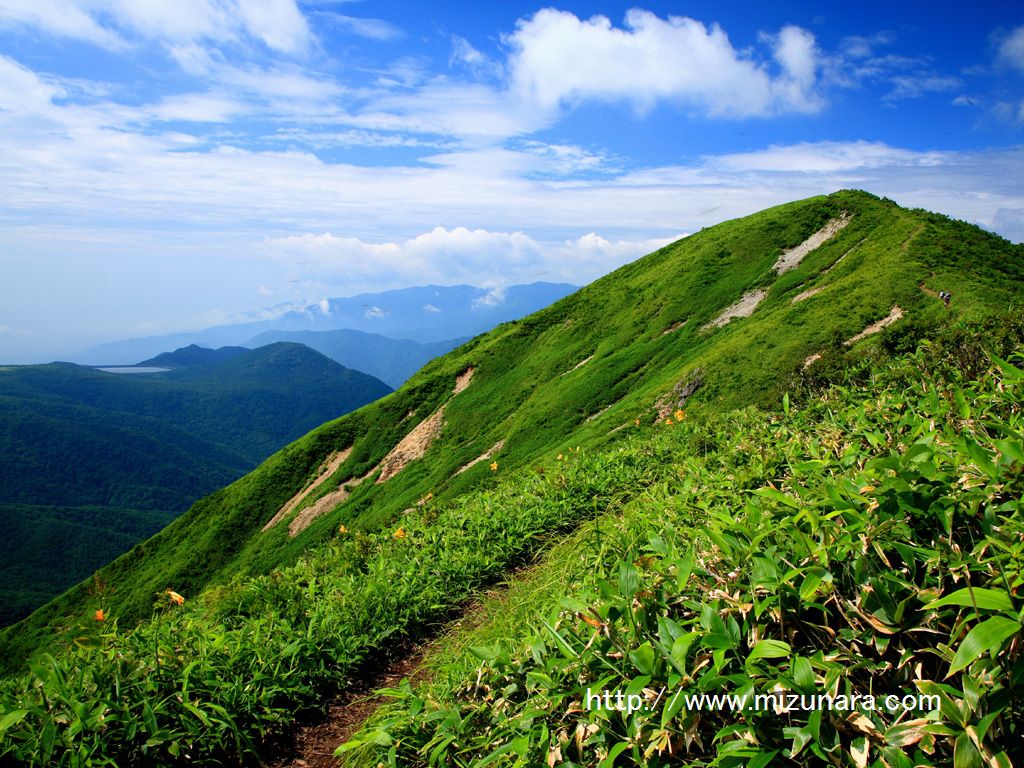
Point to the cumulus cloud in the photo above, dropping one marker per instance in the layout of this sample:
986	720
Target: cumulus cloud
431	308
558	59
479	257
459	254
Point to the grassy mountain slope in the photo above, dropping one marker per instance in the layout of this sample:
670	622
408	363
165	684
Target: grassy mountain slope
131	453
392	361
576	372
867	541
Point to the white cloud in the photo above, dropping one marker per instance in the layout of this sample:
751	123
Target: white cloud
825	157
197	108
59	18
278	24
1011	50
1009	222
465	55
913	86
495	297
963	100
558	59
479	257
863	47
453	109
23	91
431	308
374	312
372	29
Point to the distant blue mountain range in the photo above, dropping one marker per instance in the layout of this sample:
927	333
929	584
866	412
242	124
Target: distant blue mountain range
425	314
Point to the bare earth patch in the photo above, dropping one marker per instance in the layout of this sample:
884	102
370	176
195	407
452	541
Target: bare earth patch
313	744
673	328
324	504
462	380
811	359
812	291
894	314
413	445
409	448
580	364
743	308
794	256
808	293
328	468
483	456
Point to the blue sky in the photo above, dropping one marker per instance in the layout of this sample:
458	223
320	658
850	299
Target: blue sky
168	166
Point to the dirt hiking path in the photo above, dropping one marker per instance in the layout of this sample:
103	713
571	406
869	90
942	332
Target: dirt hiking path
312	744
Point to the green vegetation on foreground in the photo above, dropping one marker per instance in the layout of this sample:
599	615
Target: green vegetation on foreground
866	541
870	545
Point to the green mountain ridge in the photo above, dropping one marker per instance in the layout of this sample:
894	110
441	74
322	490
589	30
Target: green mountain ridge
621	349
193	354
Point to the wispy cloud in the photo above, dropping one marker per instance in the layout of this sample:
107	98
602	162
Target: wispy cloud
372	29
1011	49
119	24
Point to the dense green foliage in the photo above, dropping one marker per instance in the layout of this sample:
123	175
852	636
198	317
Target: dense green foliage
45	548
142	448
829	548
870	544
579	370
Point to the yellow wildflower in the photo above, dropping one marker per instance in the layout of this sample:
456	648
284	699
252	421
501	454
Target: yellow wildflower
175	597
559	457
680	414
342	529
636	422
100	615
494	466
668	421
399	534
